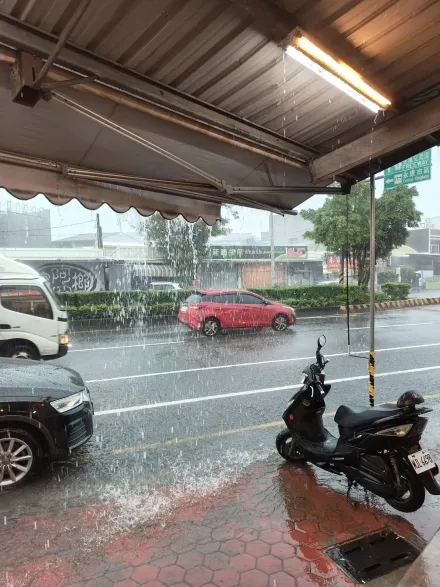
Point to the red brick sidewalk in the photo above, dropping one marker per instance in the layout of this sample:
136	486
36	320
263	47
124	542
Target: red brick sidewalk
269	529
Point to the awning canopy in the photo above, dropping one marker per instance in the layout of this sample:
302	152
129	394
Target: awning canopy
182	106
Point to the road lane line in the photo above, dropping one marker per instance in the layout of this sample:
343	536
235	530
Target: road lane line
394	325
253	364
205	398
127	346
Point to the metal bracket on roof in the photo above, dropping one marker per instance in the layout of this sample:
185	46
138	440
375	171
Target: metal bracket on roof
23	73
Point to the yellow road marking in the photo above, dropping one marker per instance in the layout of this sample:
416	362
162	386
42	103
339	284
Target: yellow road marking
221	433
152	445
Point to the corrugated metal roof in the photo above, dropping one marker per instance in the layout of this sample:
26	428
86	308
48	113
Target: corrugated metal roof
226	54
211	49
216	51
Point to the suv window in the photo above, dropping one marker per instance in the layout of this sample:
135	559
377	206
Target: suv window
250	299
26	300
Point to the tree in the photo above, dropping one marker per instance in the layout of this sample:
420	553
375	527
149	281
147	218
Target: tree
395	213
182	244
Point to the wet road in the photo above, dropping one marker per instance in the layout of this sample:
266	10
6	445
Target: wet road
179	410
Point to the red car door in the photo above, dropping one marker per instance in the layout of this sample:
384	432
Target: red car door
224	307
253	311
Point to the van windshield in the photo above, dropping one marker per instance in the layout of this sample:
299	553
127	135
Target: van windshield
53	295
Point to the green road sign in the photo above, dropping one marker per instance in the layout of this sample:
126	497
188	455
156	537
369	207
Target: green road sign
413	170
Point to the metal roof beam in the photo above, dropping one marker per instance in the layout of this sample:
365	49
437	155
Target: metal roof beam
395	134
164	100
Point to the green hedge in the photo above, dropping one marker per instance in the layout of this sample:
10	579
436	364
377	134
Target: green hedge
137	305
396	291
387	276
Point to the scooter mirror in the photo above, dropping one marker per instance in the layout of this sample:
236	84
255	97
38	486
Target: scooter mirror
321	341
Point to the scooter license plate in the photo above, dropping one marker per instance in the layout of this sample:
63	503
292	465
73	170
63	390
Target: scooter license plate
421	461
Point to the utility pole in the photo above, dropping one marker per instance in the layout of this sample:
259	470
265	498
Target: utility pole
99	242
372	286
273	275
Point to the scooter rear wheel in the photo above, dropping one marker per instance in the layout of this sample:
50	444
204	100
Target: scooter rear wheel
414	492
286	450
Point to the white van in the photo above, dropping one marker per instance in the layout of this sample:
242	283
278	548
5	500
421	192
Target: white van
33	323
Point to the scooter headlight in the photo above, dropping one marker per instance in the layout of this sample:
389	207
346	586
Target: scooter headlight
396	431
303	379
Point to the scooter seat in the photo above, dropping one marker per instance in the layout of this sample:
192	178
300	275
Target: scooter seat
354	417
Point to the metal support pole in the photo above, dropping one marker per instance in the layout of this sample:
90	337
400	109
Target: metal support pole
273	275
372	284
71	24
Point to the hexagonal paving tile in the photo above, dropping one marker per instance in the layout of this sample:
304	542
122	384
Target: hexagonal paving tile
145	573
248	537
281	579
232	547
182	546
99	582
125	583
216	561
269	564
191	559
120	574
226	578
271	536
257	548
282	550
324	567
198	576
166	561
254	578
208	547
171	575
296	567
243	562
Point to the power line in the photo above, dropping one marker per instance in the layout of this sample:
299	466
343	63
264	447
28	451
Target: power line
44	229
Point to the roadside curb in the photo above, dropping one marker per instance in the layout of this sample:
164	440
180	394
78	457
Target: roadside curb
399	304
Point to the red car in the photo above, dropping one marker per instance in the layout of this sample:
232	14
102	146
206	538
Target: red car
210	310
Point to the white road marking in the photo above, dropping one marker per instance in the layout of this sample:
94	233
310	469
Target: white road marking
331	316
393	325
233	365
193	400
127	346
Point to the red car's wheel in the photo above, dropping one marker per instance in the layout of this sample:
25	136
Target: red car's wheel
280	323
211	327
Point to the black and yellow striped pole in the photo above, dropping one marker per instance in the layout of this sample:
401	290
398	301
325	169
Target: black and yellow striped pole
341	276
372	283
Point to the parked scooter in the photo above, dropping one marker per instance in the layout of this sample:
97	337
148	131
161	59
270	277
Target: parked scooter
378	448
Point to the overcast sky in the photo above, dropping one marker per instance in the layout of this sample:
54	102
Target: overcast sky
73	218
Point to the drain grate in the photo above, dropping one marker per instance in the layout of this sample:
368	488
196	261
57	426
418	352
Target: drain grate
374	555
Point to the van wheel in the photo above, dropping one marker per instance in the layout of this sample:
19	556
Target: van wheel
23	351
211	327
20	457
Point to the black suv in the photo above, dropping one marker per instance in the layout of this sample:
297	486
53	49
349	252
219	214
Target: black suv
45	413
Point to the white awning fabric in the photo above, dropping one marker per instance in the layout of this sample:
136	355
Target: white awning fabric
55	150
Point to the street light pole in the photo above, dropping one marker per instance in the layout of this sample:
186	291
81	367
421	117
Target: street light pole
372	287
273	276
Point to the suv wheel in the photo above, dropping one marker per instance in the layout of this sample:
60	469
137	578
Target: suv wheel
211	327
20	456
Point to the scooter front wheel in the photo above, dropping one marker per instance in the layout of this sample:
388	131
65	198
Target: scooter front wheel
286	448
